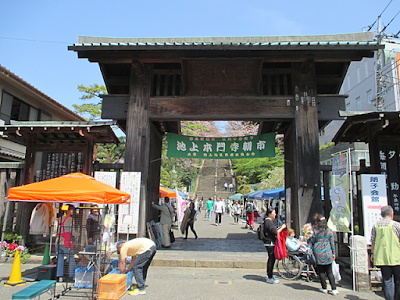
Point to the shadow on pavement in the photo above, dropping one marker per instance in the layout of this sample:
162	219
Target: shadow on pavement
301	286
254	277
241	236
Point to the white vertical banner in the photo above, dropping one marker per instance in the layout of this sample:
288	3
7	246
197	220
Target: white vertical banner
109	178
180	206
340	214
374	196
130	183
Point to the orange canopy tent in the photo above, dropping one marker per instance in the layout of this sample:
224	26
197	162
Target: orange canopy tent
74	187
166	193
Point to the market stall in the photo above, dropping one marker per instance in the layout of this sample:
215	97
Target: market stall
74	188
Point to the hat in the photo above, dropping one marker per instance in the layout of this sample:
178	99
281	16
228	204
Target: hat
119	244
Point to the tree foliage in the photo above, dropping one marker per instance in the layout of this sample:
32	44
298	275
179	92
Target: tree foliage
116	151
90	111
241	128
244	189
275	180
257	169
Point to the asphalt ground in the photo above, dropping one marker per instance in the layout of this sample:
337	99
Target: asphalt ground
211	283
226	262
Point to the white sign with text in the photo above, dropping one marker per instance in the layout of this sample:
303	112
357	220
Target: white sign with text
374	196
130	183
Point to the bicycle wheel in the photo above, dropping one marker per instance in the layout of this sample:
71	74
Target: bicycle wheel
290	267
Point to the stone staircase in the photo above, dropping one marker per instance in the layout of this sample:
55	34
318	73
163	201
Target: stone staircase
213	174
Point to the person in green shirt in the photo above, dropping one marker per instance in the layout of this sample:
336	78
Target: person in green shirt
385	249
209	205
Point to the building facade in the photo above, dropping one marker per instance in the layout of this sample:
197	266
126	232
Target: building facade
360	84
20	101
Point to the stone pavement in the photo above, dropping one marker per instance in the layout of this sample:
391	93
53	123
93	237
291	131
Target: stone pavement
227	246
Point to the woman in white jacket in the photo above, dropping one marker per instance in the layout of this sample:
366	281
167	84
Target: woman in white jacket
236	211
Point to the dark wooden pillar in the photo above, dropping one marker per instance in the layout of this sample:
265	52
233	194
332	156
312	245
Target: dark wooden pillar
373	147
25	208
88	156
154	170
304	175
326	175
138	132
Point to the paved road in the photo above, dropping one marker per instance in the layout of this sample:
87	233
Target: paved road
209	272
210	283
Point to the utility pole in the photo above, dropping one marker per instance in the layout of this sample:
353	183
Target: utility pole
379	76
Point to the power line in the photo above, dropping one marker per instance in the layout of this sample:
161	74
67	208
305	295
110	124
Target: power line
372	25
383	30
37	41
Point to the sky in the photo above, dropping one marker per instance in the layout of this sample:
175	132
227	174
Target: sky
35	35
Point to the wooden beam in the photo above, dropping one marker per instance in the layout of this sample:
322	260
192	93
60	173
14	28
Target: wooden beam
81	147
202	108
215	108
114	56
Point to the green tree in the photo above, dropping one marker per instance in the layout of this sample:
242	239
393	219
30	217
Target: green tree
275	180
257	169
90	111
244	189
116	151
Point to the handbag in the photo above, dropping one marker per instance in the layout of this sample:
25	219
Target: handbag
65	238
171	236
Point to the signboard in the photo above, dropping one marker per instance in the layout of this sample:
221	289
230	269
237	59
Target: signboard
251	146
130	183
373	191
389	165
109	178
50	165
339	217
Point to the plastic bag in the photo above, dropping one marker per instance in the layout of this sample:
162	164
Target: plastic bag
336	271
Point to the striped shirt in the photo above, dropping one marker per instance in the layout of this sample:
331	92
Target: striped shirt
323	246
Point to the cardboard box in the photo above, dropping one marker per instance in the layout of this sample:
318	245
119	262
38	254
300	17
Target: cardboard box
112	286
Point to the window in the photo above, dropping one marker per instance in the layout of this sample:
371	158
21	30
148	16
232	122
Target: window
358	103
348	106
15	109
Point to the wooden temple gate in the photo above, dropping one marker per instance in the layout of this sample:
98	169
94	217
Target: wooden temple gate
289	85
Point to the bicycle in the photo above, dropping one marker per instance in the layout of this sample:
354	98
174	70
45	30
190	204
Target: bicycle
296	265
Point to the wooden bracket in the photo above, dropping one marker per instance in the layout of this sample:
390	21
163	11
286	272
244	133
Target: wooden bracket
138	66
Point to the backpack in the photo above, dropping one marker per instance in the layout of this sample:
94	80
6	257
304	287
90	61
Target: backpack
260	232
250	208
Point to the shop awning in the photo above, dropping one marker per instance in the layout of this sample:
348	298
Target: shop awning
73	187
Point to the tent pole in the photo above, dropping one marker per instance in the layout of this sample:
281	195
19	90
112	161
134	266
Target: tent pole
51	238
4	227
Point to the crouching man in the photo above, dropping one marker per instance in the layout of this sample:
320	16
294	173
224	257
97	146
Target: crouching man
142	251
